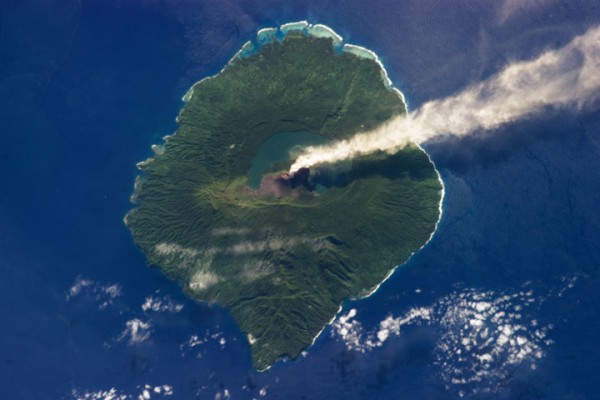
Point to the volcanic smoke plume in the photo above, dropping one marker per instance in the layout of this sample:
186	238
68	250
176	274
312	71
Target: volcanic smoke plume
568	77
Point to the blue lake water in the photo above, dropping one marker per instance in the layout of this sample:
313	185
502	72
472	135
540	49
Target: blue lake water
278	148
502	303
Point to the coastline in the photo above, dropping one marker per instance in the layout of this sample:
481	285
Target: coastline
360	51
391	272
441	210
268	35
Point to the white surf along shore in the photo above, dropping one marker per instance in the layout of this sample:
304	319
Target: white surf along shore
269	35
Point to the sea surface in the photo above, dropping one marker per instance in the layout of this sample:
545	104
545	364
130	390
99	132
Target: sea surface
502	303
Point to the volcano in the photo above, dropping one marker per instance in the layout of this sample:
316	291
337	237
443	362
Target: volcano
300	178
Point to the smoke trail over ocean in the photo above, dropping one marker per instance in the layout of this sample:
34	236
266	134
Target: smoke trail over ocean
568	77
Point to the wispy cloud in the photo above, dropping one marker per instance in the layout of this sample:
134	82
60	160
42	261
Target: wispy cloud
161	304
102	293
512	8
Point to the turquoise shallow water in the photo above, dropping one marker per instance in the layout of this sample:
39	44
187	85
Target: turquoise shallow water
279	148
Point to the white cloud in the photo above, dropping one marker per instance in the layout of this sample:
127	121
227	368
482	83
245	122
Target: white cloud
103	294
251	267
164	304
392	326
110	394
483	335
223	395
201	341
272	244
514	8
230	231
186	257
351	332
168	249
199	260
251	339
136	331
79	285
145	392
202	280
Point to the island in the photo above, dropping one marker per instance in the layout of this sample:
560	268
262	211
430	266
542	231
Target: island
216	210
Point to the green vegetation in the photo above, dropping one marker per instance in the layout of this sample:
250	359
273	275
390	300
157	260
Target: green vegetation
282	264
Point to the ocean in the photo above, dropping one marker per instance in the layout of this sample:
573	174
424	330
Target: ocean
502	303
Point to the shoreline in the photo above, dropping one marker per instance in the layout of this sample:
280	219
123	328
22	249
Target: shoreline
391	272
268	35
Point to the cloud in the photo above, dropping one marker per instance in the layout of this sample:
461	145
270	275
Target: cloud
145	392
198	260
273	244
110	394
568	77
256	269
214	338
168	249
511	8
136	331
164	304
202	280
483	335
229	231
392	326
351	331
251	268
103	294
223	395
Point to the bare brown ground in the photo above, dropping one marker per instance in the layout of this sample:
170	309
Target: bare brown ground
277	185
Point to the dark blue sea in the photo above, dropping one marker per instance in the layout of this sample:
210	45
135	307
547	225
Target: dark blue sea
502	303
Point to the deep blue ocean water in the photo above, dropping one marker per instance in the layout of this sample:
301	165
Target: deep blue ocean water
85	89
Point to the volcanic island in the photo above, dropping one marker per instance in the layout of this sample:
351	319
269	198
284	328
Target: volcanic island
282	252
